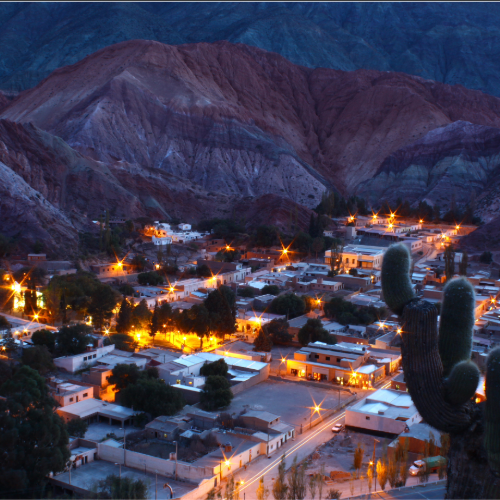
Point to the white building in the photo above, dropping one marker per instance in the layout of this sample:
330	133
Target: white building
365	257
184	227
385	410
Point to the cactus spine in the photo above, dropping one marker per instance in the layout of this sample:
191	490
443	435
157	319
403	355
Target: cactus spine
442	379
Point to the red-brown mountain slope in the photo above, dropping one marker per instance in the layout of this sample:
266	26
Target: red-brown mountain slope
240	121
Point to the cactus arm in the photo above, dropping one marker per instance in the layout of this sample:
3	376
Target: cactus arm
424	371
456	324
492	414
396	279
461	384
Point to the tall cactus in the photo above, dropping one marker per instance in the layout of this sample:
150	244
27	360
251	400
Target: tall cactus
442	379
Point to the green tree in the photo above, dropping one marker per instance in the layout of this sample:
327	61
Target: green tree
216	393
266	236
125	315
280	488
124	375
151	278
116	487
289	304
318	245
77	427
277	330
270	290
248	292
139	262
122	341
103	301
155	325
141	315
39	359
152	396
6	245
126	289
33	440
297	487
313	331
262	342
222	314
73	339
165	314
218	368
337	250
462	266
358	457
203	271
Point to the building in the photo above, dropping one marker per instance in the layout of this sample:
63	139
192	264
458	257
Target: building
95	410
76	362
416	437
398	383
243	350
162	427
67	393
35	258
343	364
385	411
112	270
354	256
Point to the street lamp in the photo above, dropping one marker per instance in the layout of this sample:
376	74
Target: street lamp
124	446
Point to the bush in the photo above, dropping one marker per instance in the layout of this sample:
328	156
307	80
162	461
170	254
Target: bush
313	331
127	290
46	338
39	359
486	257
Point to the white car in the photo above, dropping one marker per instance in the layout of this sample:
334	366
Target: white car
337	428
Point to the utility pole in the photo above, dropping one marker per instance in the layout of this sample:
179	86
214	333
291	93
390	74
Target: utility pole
375	441
120	465
156	485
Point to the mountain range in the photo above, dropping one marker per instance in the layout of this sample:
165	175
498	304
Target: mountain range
457	43
215	129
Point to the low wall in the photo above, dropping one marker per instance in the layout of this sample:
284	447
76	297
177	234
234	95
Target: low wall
153	464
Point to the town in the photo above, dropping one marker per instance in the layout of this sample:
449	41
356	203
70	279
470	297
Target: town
199	361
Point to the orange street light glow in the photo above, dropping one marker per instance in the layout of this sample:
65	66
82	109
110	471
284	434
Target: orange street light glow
228	463
420	221
120	264
35	316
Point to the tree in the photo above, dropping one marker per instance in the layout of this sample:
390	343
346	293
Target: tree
155	325
39	359
313	331
320	480
77	427
216	393
280	488
270	290
141	315
121	341
44	337
262	492
33	440
124	375
337	250
152	396
125	315
126	289
203	271
221	312
9	344
116	487
6	245
334	494
297	487
318	244
103	301
151	278
382	472
262	342
139	262
312	486
486	257
248	292
73	339
277	330
358	457
289	304
449	262
462	266
218	368
199	321
353	271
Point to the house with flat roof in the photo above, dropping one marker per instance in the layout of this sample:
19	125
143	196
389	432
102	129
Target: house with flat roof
74	363
344	364
398	383
385	411
68	393
95	410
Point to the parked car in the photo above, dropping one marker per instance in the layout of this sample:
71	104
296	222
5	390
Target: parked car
420	466
337	428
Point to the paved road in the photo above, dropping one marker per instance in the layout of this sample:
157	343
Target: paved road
301	447
433	491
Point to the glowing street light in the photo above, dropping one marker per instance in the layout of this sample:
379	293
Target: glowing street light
35	317
120	264
421	221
